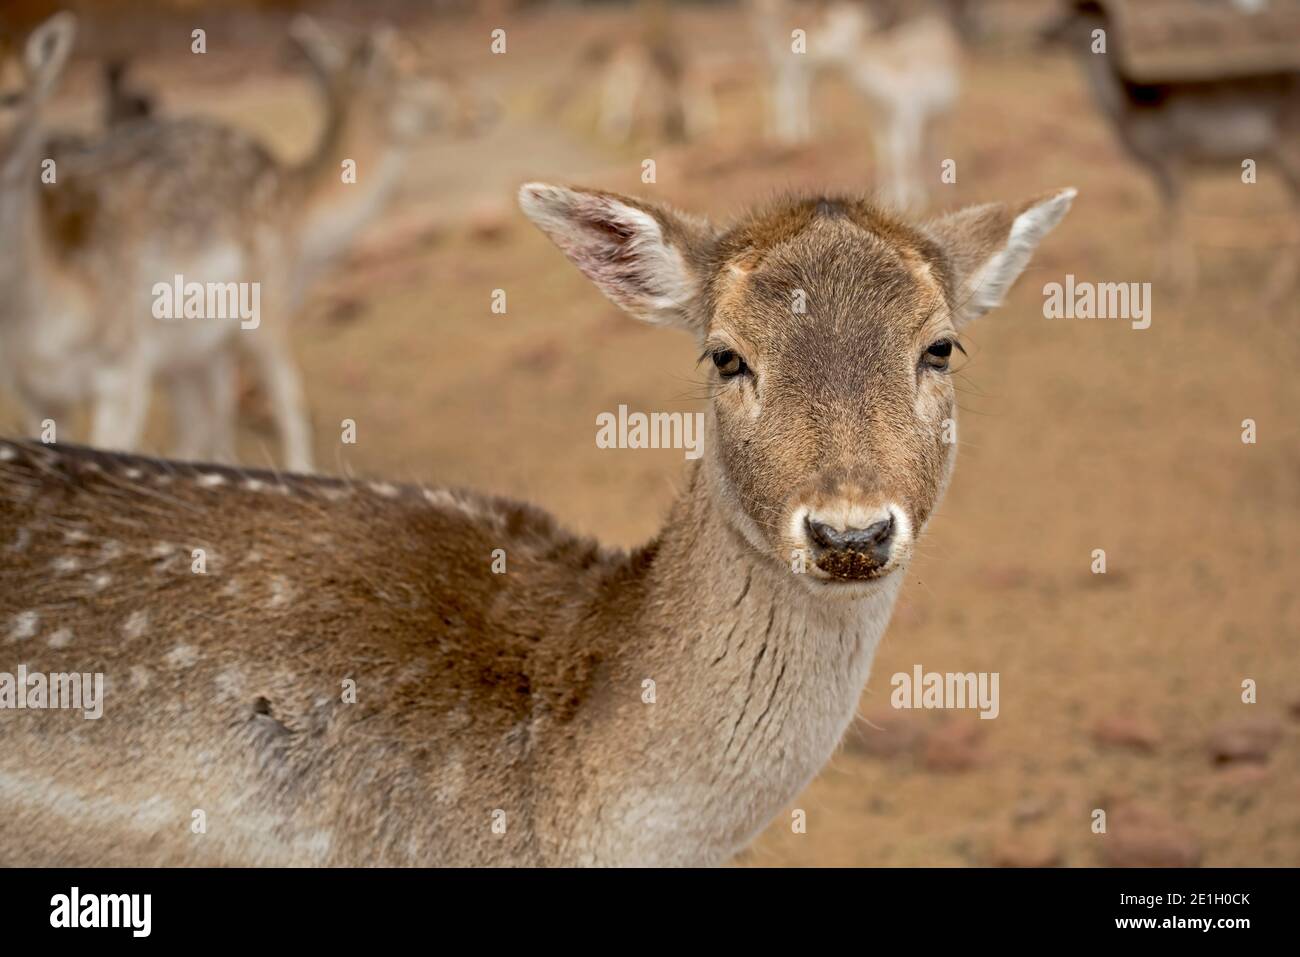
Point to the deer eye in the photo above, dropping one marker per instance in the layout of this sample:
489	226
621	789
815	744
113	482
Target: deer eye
729	364
937	355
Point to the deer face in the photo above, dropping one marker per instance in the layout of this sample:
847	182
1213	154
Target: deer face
830	339
828	328
26	82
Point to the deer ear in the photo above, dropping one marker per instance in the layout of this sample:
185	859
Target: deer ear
47	51
644	258
322	49
989	246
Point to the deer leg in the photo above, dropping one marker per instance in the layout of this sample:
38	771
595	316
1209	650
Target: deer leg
701	108
190	422
288	405
618	100
936	143
221	378
36	412
674	111
906	138
1179	264
120	407
1282	279
791	120
203	410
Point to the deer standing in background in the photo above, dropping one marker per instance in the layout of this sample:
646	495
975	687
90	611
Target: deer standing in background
1172	127
648	76
122	102
909	74
152	200
504	718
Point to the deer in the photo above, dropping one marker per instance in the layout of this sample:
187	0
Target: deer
648	78
1171	128
123	103
909	74
384	673
183	197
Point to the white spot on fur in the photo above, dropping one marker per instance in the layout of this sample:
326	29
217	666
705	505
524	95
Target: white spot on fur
21	540
162	549
254	485
316	844
61	638
24	625
65	564
444	498
182	656
230	683
451	779
7	454
386	489
101	581
440	497
135	625
212	480
281	591
75	535
132	473
110	550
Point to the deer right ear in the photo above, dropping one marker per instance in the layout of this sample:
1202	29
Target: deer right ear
989	246
326	53
47	51
644	258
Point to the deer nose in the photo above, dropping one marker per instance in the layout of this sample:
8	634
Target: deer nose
874	541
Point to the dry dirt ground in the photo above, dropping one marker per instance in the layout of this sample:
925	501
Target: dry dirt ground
1116	689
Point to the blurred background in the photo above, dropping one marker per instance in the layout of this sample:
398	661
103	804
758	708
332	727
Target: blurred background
1120	691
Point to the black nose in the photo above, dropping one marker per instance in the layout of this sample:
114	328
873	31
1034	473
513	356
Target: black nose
874	541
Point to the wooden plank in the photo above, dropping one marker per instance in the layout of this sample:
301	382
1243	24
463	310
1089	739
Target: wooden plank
1204	39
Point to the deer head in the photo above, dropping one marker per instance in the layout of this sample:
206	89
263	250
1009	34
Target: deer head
828	327
381	76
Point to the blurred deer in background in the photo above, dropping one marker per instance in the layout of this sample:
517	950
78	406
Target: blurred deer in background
124	103
157	199
909	72
502	718
647	76
1171	127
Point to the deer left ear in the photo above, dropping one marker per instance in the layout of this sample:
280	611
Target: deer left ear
47	51
644	258
989	246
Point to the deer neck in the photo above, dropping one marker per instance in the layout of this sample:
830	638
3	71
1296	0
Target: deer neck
755	677
23	269
335	207
1104	80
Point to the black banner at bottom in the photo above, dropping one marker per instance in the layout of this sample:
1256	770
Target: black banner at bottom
336	906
